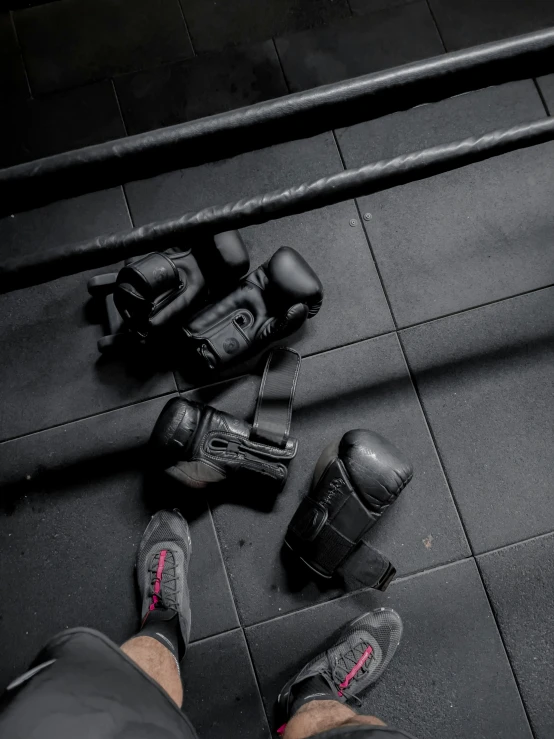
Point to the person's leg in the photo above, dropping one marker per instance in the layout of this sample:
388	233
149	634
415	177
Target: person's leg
158	662
318	716
313	701
162	568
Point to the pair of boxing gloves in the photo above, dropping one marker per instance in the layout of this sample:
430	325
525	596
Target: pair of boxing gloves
355	480
222	312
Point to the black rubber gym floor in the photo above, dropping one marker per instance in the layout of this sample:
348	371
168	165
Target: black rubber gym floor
437	330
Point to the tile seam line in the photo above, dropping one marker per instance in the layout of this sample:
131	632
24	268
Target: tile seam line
475	307
521	542
215	636
540	94
75	86
437	27
187	29
239	616
222	557
86	418
434	442
281	64
257	679
249	654
119	108
23	62
127	204
224	561
466	534
352	593
501	635
366	235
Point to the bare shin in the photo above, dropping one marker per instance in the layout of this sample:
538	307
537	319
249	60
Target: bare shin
318	716
158	663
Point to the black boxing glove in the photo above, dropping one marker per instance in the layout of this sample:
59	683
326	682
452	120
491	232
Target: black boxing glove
355	481
270	304
152	290
199	445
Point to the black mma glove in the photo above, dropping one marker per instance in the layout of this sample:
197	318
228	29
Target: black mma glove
152	290
199	445
271	303
355	481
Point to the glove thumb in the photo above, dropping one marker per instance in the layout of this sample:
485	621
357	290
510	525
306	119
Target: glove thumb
287	324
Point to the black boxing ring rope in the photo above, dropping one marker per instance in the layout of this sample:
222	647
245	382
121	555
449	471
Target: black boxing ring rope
24	271
291	117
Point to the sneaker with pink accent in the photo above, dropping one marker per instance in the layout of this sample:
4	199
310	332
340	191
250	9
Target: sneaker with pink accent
162	568
358	658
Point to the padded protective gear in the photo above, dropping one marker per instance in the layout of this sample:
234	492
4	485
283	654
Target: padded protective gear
152	290
270	304
355	481
198	445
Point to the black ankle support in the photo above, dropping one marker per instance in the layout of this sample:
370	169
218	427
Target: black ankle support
163	625
311	689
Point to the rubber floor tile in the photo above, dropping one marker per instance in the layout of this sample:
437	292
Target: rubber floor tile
72	534
365	385
60	122
519	583
214	25
20	4
110	438
13	83
52	372
370	6
63	222
70	42
450	676
220	694
433	124
359	45
339	254
209	84
217	183
470	22
546	85
466	237
486	380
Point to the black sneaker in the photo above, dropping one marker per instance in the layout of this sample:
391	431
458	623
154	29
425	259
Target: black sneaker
363	650
162	569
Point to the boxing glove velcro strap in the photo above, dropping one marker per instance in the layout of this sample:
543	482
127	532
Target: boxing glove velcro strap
155	274
325	547
225	338
145	287
274	406
366	567
329	554
250	455
327	528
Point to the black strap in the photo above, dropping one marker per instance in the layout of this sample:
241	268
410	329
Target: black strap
274	407
366	567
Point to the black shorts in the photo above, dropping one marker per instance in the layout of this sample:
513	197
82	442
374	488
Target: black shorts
82	685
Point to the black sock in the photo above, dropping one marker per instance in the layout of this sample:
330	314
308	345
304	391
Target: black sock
314	688
163	625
